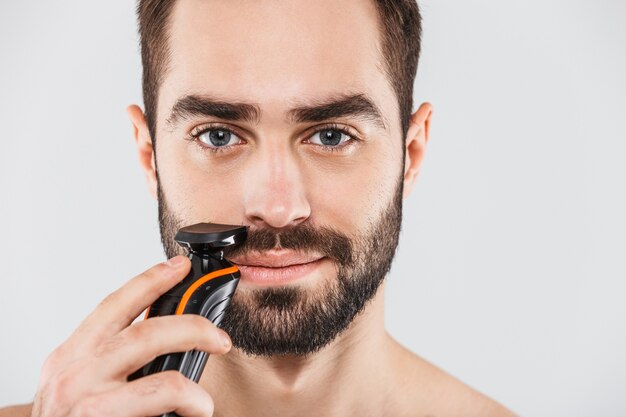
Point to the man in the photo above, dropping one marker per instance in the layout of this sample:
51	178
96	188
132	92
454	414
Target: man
293	118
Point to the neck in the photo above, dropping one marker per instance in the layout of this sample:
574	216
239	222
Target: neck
331	382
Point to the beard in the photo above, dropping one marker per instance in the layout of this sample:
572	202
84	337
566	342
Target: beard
290	320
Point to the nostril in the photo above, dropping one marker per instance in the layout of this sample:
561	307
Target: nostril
276	205
278	217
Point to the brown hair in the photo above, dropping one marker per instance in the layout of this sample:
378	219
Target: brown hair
400	26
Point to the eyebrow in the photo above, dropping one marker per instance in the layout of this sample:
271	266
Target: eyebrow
193	105
342	105
337	106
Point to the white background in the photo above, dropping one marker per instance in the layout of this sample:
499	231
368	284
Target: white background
511	273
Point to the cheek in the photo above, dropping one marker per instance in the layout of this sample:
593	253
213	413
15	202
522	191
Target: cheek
351	196
197	190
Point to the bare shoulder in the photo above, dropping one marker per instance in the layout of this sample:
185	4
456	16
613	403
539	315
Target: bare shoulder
429	391
22	410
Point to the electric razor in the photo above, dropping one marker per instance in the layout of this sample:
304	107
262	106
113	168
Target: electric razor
206	290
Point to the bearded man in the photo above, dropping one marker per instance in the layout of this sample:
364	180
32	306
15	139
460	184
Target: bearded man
293	118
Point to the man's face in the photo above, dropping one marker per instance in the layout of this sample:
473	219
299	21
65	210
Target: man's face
312	162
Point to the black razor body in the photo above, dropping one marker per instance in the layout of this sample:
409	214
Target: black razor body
207	291
209	300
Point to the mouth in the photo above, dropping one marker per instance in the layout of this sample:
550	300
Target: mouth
277	267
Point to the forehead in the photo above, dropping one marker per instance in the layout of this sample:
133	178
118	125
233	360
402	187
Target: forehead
273	52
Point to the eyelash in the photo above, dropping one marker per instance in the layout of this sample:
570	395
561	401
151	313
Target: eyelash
332	126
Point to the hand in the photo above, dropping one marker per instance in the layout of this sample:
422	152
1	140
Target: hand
87	374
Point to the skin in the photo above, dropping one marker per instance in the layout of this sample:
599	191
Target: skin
278	178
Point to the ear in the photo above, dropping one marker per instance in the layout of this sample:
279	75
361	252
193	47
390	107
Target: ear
416	138
144	147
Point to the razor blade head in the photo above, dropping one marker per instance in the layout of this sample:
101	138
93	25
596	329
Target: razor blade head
210	237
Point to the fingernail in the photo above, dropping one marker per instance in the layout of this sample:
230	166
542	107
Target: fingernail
176	261
225	339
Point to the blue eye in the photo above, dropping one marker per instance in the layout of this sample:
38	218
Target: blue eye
218	138
330	137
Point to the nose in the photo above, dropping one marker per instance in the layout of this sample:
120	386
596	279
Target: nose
275	193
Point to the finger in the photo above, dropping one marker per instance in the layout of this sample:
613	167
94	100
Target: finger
142	342
121	307
152	395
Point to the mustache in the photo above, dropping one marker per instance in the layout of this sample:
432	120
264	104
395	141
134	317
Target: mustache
304	237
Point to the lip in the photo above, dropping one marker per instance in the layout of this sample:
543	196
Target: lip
276	259
276	267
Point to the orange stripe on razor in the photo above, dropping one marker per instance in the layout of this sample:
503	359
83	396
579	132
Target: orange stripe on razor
207	277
